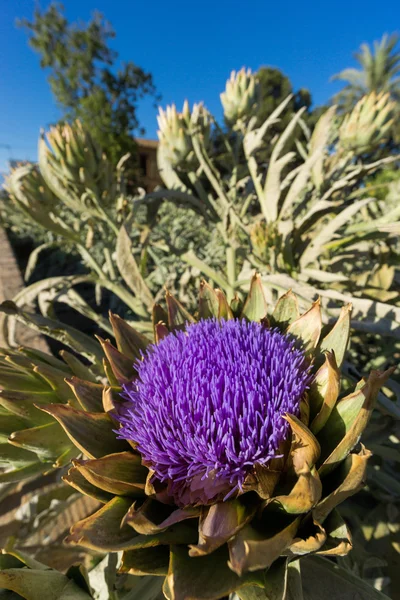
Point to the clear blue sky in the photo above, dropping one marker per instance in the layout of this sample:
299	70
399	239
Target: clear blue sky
190	48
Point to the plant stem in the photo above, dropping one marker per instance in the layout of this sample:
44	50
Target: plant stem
90	260
110	264
208	170
231	269
134	303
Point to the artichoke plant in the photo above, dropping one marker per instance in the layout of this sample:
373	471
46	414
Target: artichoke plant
78	201
306	225
221	451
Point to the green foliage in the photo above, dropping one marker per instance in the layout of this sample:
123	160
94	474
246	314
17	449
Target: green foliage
296	218
85	77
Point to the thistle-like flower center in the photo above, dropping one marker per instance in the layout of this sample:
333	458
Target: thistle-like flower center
208	405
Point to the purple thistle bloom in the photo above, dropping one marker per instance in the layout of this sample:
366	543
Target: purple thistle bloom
208	405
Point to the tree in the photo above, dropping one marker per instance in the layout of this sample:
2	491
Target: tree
379	72
275	86
86	79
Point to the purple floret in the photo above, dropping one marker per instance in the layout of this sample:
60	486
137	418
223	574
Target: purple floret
208	404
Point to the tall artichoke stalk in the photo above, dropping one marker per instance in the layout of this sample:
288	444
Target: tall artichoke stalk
221	452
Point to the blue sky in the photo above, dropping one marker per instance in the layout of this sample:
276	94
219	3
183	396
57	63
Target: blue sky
190	48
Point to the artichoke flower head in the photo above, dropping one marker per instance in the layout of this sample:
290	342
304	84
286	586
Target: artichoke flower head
221	451
209	402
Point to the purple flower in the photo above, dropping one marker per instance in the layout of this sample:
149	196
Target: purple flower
208	405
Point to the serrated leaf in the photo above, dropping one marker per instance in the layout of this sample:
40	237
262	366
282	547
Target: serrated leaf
78	341
130	271
315	248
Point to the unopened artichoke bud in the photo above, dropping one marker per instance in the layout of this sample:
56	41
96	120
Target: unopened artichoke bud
26	185
73	164
200	122
241	96
174	134
236	447
75	150
176	130
368	124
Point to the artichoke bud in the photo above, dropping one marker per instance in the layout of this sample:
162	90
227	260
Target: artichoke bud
241	96
368	124
72	162
177	129
73	145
